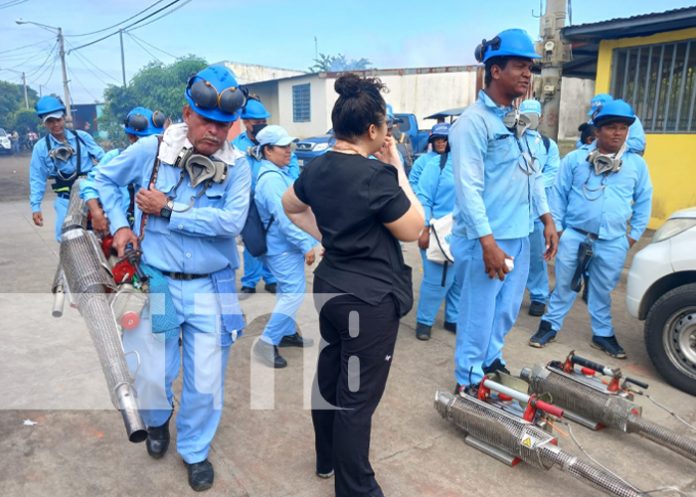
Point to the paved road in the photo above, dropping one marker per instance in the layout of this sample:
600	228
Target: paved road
264	448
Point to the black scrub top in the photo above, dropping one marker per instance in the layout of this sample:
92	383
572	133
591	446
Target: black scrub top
352	197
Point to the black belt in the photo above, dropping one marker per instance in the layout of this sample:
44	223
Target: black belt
63	195
591	236
184	276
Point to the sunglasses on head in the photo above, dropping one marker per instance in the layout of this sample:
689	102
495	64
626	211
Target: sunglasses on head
206	96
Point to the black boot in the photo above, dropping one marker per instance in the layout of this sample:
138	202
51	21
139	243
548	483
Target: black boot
200	475
268	354
157	441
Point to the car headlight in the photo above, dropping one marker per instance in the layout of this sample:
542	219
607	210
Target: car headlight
672	227
319	147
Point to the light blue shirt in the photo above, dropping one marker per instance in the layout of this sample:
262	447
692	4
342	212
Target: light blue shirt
244	144
417	168
550	161
636	137
435	189
494	195
88	187
282	235
196	240
627	196
43	167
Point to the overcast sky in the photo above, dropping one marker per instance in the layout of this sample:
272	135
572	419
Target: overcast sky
278	33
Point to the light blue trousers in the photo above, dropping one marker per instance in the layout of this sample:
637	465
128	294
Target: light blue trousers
605	270
288	269
254	270
205	351
538	280
61	207
432	292
488	308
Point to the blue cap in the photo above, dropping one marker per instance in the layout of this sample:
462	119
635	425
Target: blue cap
530	106
598	101
390	112
141	121
614	111
220	78
440	130
508	43
274	135
49	104
254	109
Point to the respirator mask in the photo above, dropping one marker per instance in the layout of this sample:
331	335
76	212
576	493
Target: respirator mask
200	168
517	123
606	163
61	153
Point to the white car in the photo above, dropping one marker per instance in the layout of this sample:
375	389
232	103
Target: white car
5	144
662	291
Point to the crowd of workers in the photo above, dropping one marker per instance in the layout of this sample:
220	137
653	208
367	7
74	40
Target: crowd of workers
491	199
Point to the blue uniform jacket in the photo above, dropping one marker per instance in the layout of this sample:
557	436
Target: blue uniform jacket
435	189
493	193
196	240
244	143
43	167
282	235
417	168
627	196
550	162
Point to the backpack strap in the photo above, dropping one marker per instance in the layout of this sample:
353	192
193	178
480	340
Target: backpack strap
153	179
547	142
270	221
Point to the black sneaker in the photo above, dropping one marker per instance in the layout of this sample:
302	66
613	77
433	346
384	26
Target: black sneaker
268	354
271	287
157	441
543	336
325	474
245	292
609	345
295	340
537	309
451	327
423	331
495	367
200	475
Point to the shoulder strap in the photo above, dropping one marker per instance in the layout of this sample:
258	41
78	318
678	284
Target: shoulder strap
153	178
270	221
547	142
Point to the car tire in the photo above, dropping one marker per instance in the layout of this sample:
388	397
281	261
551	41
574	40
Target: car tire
670	337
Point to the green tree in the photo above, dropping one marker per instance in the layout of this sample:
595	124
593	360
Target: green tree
12	100
25	119
156	86
337	63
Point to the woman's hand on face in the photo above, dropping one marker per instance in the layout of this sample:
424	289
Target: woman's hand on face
388	153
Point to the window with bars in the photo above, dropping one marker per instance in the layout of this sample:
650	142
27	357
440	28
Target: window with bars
659	81
301	109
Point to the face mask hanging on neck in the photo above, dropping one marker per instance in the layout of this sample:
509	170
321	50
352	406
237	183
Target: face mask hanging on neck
201	168
533	119
516	122
606	163
61	153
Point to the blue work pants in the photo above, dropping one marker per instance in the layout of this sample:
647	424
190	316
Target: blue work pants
254	270
433	291
288	270
538	280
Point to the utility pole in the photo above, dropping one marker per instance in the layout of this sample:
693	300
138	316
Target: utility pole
555	51
66	89
26	96
123	58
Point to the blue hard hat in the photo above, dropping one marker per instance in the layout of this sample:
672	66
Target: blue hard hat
390	112
254	109
215	94
613	111
440	130
530	106
598	101
50	104
274	135
508	43
141	121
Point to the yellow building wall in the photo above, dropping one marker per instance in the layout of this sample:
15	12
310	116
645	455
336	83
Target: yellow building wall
671	158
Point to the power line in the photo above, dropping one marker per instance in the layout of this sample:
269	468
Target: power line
26	46
86	61
11	3
77	80
163	15
137	38
53	67
145	49
126	27
118	23
36	71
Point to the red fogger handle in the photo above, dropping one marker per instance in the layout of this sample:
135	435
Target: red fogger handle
546	407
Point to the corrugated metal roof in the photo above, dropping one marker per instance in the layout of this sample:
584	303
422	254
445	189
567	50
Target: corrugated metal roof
640	25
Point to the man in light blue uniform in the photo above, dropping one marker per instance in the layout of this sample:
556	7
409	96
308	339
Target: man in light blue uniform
438	141
139	122
498	193
548	160
636	134
289	248
435	191
63	156
194	208
594	198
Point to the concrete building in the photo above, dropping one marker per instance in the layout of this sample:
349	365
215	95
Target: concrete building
302	103
649	61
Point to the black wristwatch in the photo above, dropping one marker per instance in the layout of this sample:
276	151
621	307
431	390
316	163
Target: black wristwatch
166	211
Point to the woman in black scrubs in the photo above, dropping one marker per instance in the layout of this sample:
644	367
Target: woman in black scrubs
359	208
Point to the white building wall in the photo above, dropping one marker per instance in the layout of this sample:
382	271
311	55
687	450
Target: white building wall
251	73
318	122
576	94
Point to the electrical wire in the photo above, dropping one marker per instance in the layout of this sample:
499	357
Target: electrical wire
118	23
163	15
137	38
146	50
672	413
74	77
31	74
85	60
45	69
53	67
11	3
126	27
27	46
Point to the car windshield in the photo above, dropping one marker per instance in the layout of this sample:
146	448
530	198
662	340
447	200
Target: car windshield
403	122
2	132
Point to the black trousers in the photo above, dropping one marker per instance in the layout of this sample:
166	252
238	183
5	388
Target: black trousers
358	344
